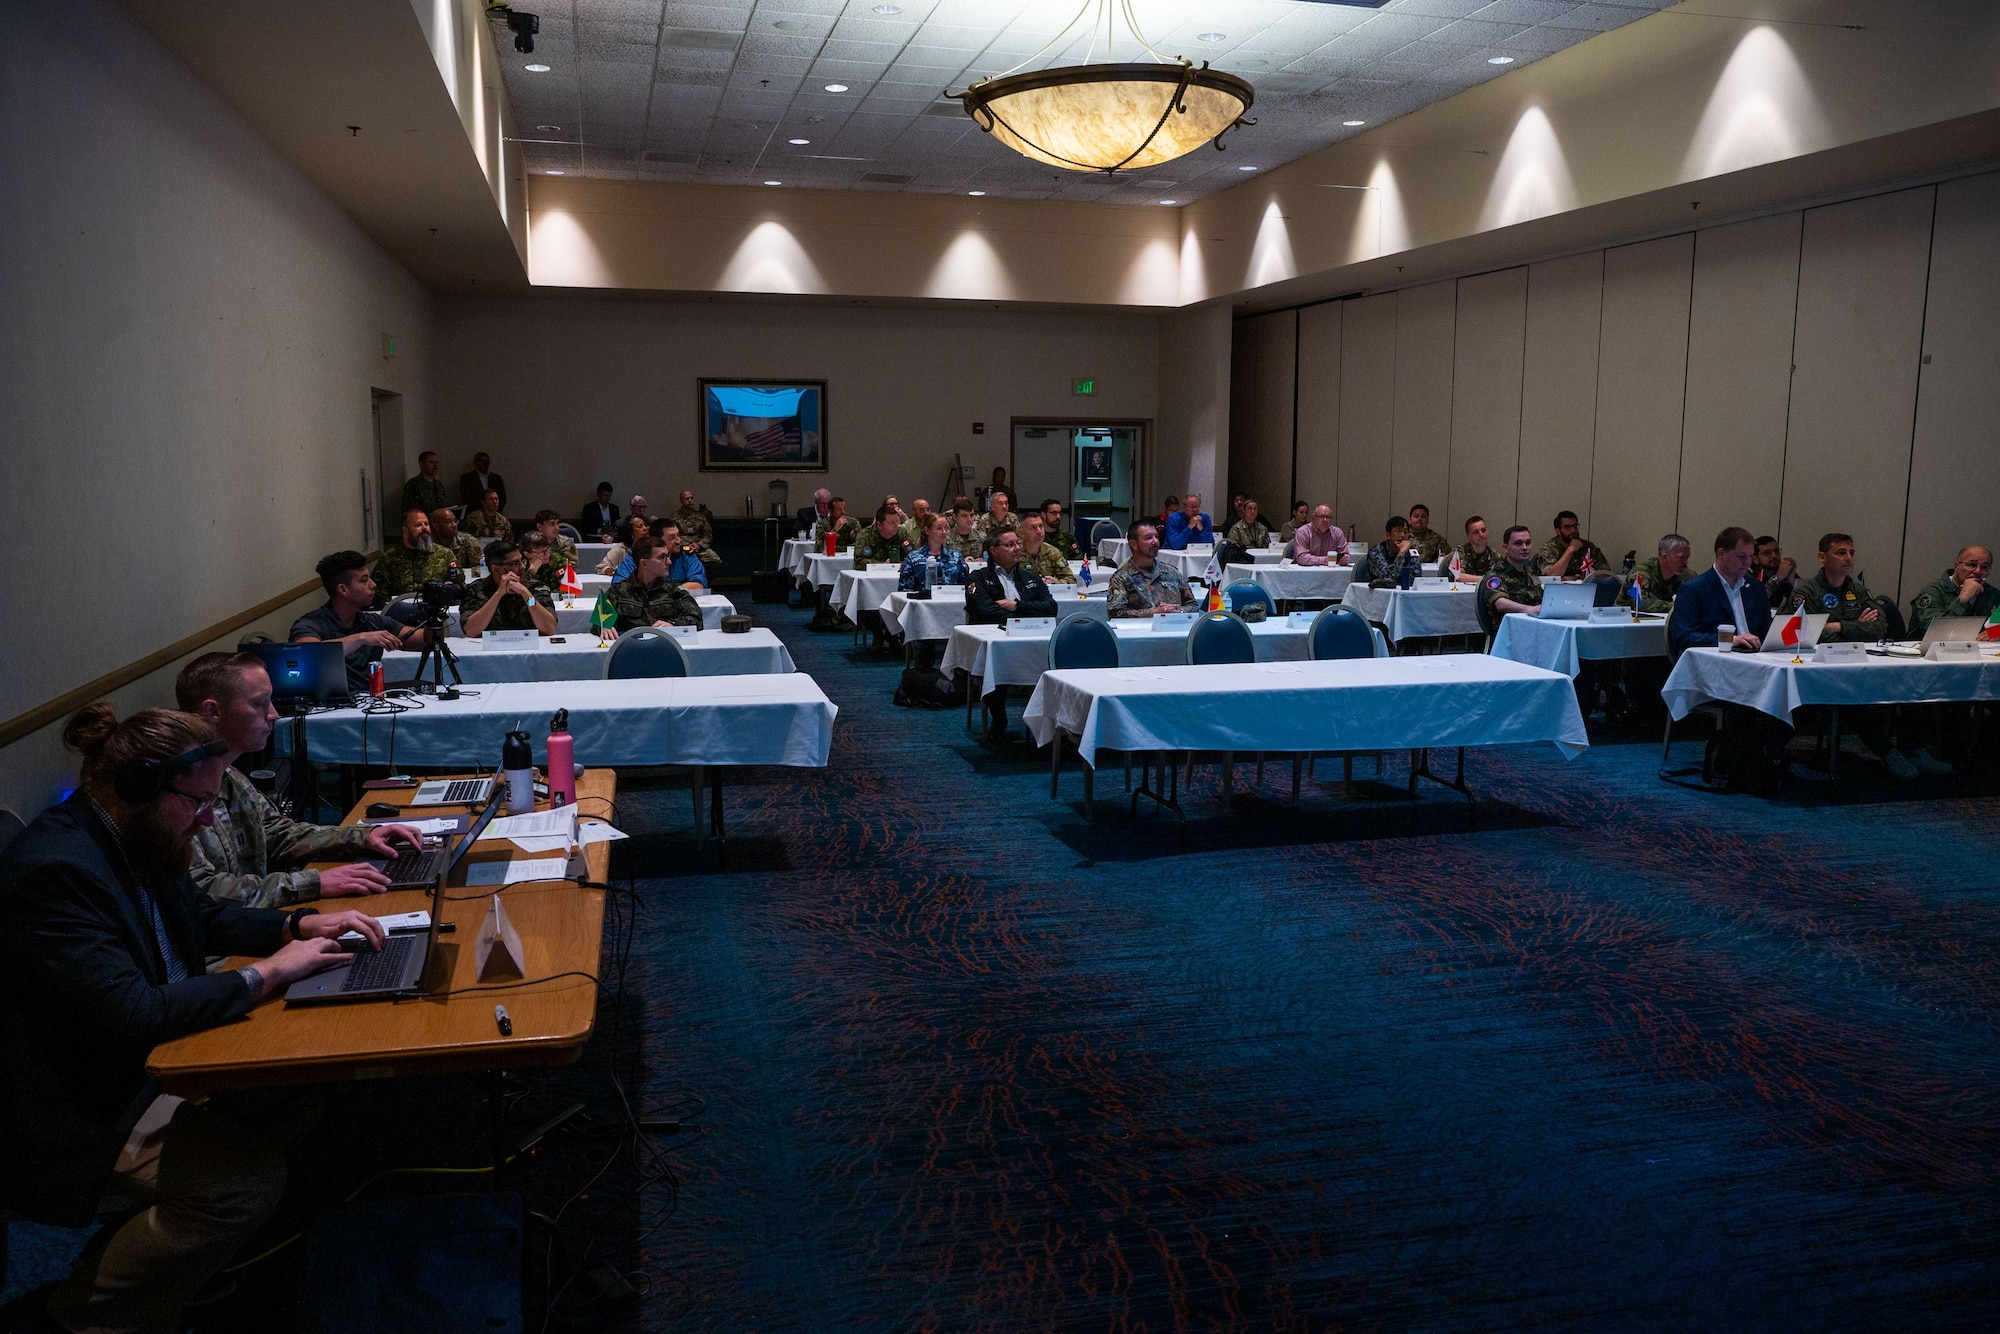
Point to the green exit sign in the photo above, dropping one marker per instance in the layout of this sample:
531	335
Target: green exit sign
1083	387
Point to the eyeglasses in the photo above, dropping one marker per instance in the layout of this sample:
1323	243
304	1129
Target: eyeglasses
202	805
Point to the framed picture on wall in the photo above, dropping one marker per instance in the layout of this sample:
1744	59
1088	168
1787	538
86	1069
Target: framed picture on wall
762	425
1097	465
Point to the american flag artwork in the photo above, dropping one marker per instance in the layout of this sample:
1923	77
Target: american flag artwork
762	425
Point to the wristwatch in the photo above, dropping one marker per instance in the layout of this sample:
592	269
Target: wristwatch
298	915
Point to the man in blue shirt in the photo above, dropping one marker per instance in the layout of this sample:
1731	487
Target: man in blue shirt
1188	524
686	569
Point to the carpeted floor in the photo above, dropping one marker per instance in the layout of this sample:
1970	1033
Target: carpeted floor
1624	1056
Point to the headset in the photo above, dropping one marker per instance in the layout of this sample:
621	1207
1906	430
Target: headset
140	781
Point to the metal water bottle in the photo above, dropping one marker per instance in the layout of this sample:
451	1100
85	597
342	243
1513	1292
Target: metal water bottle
517	759
562	761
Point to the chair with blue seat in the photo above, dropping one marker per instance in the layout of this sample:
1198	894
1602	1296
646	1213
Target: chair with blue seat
1337	633
569	530
1605	589
1099	531
1078	643
1245	593
407	610
646	652
1218	638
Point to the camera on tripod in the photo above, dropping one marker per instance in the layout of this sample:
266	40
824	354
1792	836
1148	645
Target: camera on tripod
441	595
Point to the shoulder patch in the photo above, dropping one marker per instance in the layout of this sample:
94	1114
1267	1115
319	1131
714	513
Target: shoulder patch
1494	583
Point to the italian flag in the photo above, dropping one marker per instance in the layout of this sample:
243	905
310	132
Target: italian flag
1992	627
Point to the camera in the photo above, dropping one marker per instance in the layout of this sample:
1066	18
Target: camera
524	28
440	595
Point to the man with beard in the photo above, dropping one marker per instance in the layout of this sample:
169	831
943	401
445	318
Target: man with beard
102	942
404	567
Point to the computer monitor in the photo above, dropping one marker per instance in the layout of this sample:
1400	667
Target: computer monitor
305	673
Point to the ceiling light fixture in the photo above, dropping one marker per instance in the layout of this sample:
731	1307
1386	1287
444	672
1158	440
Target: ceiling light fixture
1110	116
1350	124
1246	169
549	129
886	10
1499	60
836	88
536	69
774	182
801	141
976	193
1212	37
553	172
1170	201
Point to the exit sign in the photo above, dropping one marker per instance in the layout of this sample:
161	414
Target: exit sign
1083	387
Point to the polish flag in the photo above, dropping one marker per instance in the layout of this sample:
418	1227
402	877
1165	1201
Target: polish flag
1788	633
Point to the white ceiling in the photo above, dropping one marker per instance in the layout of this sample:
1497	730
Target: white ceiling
712	92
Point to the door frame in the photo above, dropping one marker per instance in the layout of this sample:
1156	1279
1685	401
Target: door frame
1142	464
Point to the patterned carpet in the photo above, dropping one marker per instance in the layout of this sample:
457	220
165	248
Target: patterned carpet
1624	1056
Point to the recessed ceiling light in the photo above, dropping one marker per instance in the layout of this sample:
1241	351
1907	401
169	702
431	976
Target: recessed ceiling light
536	69
975	193
1212	37
1252	64
1246	169
836	88
774	182
1170	201
1499	60
801	141
1352	123
792	25
552	172
886	10
550	129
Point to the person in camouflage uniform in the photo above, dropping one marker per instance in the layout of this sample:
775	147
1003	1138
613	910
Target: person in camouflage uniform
649	597
1144	587
425	491
1512	586
562	551
404	567
487	523
883	543
1562	556
464	547
1039	555
1661	577
918	523
252	854
1851	611
1476	558
965	538
506	597
1429	544
697	533
844	526
1056	534
1001	515
1249	532
1960	591
544	575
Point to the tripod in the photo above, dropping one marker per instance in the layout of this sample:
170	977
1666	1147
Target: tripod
440	657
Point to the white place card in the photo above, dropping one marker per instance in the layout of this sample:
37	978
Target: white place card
883	567
1956	650
1021	627
1301	620
1610	616
511	639
1201	549
1838	652
683	632
1174	622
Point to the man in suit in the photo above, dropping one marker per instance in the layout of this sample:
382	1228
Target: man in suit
1748	750
810	515
1004	588
103	942
473	486
599	519
425	491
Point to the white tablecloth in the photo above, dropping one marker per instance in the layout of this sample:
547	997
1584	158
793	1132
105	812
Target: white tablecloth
1290	581
1113	551
1421	612
588	554
867	590
792	557
775	719
1771	683
1458	699
936	618
1561	645
1000	659
574	618
712	653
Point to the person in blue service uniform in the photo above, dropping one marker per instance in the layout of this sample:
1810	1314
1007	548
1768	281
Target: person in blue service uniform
346	619
1187	525
1004	589
1747	751
940	562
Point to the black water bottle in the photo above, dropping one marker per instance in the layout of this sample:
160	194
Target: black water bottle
517	759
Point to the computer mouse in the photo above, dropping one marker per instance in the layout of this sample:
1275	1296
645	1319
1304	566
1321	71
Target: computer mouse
382	810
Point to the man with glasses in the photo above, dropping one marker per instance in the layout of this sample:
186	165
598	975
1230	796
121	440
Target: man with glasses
504	600
252	854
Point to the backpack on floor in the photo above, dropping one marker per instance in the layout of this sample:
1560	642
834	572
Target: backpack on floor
929	688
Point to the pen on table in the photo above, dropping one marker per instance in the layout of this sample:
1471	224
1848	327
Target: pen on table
506	1024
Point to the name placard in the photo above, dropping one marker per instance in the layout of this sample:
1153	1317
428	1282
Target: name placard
1175	622
1027	626
1953	650
1301	620
1610	616
883	567
686	632
1841	652
511	639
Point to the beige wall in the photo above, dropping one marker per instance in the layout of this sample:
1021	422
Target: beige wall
1192	451
565	391
190	338
1828	368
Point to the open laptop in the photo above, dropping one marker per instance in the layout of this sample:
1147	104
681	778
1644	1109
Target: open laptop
1952	630
397	969
1811	624
455	791
305	673
417	868
1568	602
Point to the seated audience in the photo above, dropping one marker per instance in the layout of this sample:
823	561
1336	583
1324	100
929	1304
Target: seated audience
883	543
1038	555
1235	510
346	618
473	486
942	561
562	551
1319	542
697	533
1852	613
464	547
426	490
1512	586
683	567
618	561
1475	557
1960	591
1660	578
1570	555
1144	587
411	560
965	538
1188	525
487	523
1393	557
999	514
651	596
1429	544
251	854
103	949
1776	571
914	527
1005	588
1056	534
504	600
544	575
810	515
844	526
1250	531
638	510
1301	516
998	487
599	519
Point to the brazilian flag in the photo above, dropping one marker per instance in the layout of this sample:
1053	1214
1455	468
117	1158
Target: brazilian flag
603	616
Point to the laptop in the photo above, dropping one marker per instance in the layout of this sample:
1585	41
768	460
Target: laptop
397	969
1568	602
417	868
1810	626
455	791
1953	630
305	673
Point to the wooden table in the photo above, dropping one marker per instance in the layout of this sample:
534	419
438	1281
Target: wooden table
561	926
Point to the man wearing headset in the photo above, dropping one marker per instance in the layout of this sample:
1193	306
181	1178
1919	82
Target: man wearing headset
102	942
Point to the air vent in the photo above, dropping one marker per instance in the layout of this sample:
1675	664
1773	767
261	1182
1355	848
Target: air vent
946	109
885	178
675	159
689	39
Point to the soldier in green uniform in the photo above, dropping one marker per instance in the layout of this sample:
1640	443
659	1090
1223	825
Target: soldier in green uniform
1430	544
1512	586
649	597
999	516
844	527
1040	555
424	491
464	547
965	538
253	855
414	558
1476	559
1960	591
562	551
1249	532
883	543
1661	577
917	524
1852	613
487	523
544	575
1144	587
1056	533
504	599
697	533
1562	556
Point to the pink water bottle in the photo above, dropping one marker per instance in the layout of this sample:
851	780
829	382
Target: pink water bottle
562	761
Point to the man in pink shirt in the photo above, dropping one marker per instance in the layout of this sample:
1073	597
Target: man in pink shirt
1319	542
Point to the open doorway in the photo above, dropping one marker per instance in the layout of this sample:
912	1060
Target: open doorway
385	497
1095	468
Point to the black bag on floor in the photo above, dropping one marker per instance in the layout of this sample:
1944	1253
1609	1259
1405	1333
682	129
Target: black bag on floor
929	688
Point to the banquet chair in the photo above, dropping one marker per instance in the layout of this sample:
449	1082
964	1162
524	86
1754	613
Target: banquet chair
1100	530
1245	592
646	652
569	530
1078	643
1336	633
1219	637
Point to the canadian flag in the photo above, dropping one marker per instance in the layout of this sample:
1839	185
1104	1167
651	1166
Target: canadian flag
1788	633
571	586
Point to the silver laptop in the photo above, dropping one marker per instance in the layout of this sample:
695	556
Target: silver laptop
454	791
1568	602
1810	626
1953	630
